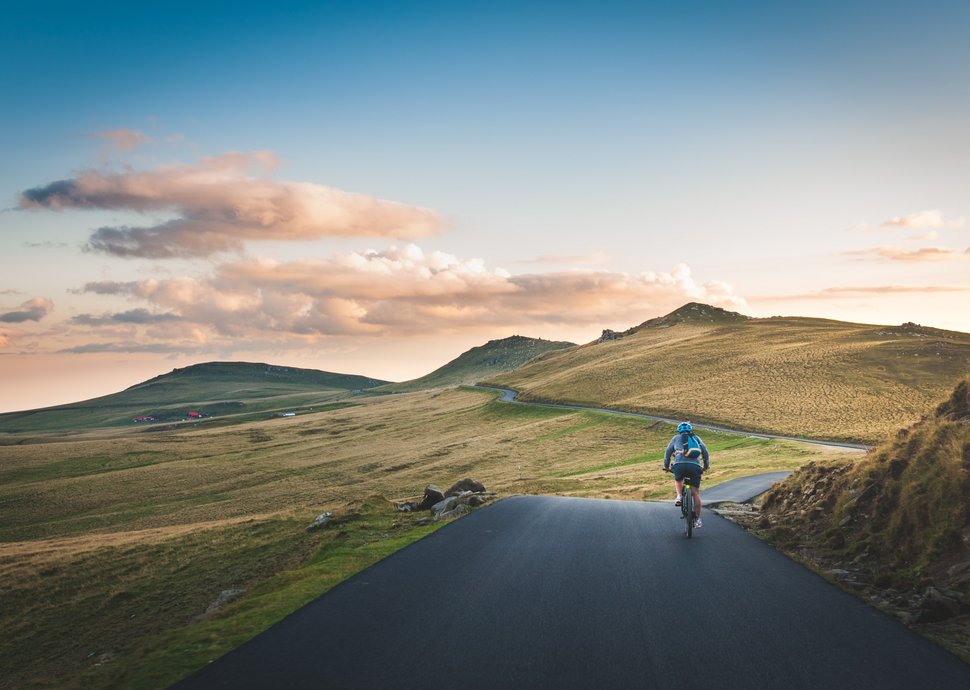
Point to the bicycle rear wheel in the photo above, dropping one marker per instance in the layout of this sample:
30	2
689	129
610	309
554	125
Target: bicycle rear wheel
688	504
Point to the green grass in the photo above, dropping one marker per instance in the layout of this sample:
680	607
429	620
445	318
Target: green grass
345	548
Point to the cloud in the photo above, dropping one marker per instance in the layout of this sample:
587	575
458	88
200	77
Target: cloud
133	316
48	244
11	292
856	291
123	139
923	220
219	205
401	291
31	310
590	259
920	255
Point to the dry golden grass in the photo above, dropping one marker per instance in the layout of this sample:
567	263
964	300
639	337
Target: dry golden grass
105	542
803	377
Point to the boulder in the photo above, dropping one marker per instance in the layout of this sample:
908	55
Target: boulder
936	606
321	520
457	511
445	505
432	495
406	506
465	485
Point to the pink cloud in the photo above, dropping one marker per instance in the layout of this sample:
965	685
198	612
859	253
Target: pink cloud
908	255
399	291
591	259
123	139
924	220
856	291
219	206
31	310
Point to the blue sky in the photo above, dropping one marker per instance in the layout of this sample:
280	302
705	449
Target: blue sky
797	158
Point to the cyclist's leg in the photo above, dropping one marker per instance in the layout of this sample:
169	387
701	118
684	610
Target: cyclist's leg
695	488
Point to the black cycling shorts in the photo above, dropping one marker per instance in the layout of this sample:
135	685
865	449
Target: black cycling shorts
688	469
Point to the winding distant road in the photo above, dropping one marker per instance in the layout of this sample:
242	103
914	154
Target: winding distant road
553	592
510	396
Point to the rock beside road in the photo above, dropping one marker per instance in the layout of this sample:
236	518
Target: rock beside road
456	501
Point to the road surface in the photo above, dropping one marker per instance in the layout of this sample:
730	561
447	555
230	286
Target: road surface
553	592
741	490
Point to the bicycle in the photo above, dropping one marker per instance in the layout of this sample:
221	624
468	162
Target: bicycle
687	507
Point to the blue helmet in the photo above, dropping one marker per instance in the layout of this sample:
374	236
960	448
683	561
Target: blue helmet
684	426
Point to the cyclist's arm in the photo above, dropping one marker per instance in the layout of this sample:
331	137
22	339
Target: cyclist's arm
706	456
668	453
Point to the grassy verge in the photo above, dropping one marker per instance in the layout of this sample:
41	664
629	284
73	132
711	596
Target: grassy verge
109	618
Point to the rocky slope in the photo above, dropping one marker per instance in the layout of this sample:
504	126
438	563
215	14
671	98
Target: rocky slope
893	527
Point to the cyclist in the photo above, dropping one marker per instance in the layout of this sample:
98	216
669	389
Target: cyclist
687	450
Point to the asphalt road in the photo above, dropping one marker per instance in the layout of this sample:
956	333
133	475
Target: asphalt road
551	592
509	396
742	489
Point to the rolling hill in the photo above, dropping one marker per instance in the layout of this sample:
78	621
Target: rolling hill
797	376
211	389
478	363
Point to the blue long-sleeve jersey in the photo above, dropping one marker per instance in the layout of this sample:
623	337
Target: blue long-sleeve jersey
676	448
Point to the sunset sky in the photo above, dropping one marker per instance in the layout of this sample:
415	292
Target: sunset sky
373	188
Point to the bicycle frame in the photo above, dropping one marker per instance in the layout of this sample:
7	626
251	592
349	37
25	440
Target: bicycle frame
687	508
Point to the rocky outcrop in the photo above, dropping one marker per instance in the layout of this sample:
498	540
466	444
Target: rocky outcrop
456	501
432	495
465	485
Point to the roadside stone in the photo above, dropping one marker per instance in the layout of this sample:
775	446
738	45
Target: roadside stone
432	495
321	520
225	596
936	606
423	521
457	511
445	505
465	485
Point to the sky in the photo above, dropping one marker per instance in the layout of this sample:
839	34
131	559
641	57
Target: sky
375	187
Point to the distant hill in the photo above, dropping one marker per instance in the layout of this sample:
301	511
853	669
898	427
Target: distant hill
797	376
478	363
211	389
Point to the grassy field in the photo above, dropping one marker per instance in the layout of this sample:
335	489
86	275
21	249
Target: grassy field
794	376
112	548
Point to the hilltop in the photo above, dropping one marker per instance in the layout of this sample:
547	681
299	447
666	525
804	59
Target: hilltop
690	313
791	375
892	526
210	389
492	358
